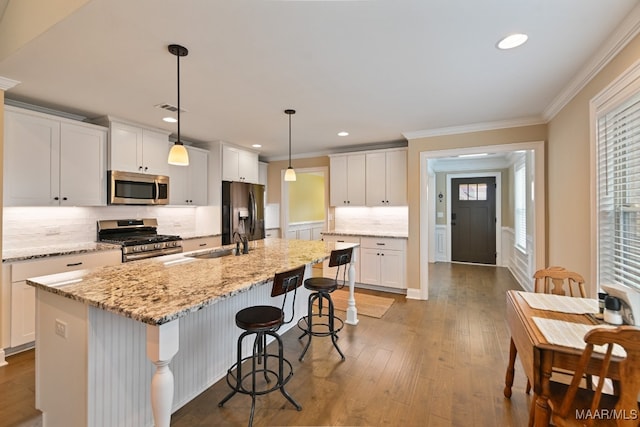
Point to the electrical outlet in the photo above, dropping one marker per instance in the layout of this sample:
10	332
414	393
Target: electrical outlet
61	328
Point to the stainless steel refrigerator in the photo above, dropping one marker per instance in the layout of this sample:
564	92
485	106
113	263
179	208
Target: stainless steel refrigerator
242	210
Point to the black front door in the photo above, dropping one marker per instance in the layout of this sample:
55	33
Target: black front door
473	220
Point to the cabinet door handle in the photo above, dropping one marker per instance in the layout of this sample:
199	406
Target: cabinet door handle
56	198
64	198
74	264
340	241
202	244
139	168
380	244
146	168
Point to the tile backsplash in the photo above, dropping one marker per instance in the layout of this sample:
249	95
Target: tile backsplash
392	219
32	227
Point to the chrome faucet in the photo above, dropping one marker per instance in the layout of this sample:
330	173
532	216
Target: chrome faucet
241	238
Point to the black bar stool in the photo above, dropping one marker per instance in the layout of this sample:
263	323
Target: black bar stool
321	289
263	321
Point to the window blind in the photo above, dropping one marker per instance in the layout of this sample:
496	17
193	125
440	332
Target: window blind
520	189
618	150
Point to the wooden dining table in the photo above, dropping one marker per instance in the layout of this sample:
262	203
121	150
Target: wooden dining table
539	357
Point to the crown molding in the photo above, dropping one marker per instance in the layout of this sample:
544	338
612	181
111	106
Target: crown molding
624	33
475	127
6	83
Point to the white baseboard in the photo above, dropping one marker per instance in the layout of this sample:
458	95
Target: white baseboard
3	362
418	294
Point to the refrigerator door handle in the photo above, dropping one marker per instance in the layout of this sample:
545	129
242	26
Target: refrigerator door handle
252	214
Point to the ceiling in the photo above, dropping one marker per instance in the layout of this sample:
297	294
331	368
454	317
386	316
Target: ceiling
379	69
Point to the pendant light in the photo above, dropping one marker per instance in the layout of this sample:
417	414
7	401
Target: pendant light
290	174
178	154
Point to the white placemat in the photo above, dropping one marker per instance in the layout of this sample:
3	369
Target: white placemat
560	303
569	334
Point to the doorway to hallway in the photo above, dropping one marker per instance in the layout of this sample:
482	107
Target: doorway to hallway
473	220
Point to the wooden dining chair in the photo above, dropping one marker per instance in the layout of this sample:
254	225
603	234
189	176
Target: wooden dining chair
551	280
572	405
559	281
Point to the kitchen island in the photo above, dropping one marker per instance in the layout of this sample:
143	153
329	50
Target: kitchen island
97	330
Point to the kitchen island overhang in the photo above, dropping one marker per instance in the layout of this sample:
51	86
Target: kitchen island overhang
105	323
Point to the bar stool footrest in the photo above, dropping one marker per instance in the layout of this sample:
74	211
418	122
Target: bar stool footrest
324	331
260	373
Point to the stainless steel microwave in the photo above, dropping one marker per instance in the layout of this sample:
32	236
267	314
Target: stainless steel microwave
130	188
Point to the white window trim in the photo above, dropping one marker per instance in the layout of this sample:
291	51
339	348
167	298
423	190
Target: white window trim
620	89
520	163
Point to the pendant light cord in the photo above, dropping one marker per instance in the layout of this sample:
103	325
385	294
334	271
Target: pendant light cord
289	140
178	61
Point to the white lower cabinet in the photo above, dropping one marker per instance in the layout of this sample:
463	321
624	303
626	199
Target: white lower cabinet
383	262
272	232
23	314
331	271
305	231
197	243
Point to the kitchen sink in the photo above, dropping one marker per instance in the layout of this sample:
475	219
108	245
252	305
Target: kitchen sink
213	254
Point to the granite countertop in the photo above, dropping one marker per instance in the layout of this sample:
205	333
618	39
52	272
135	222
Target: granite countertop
390	234
159	290
13	255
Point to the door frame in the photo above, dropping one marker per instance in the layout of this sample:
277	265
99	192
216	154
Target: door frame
498	201
284	197
428	202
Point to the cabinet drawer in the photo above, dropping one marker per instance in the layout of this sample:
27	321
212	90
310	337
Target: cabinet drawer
189	245
59	264
382	243
345	239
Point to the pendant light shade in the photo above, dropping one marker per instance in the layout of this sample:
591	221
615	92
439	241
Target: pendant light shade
178	154
290	174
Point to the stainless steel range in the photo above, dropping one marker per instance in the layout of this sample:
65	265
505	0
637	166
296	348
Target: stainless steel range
138	237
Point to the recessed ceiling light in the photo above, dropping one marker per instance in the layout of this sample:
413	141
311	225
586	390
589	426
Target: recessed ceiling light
257	146
169	119
512	40
343	133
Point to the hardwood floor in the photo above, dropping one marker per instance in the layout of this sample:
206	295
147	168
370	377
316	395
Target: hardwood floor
17	392
435	363
439	362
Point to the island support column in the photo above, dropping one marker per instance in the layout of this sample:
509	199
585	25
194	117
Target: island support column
162	345
352	311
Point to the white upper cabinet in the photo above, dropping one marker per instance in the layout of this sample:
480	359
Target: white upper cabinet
189	184
239	165
347	180
52	161
386	178
136	149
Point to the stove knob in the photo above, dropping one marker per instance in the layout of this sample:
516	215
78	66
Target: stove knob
157	246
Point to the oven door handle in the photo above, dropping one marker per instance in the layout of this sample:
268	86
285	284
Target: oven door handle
152	254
